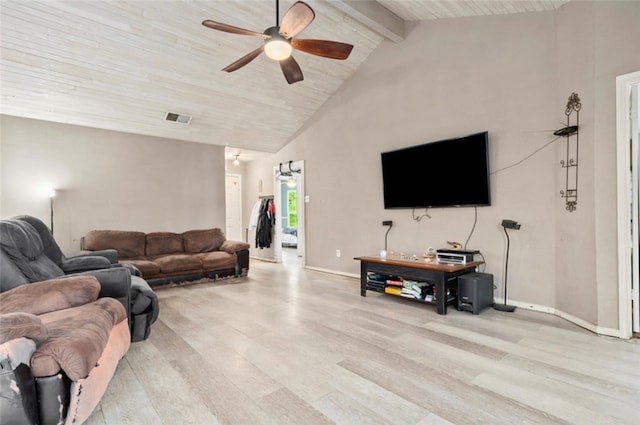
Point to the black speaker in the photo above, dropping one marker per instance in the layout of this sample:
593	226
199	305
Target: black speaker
475	292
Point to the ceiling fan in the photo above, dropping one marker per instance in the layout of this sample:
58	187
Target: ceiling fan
279	41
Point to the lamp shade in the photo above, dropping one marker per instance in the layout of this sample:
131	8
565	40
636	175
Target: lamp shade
277	49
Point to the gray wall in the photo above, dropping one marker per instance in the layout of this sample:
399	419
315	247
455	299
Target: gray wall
509	75
108	180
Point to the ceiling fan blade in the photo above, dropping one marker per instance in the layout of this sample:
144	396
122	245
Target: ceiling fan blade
297	18
230	28
244	60
291	70
324	48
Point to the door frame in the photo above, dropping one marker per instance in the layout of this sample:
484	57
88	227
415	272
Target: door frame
277	199
627	290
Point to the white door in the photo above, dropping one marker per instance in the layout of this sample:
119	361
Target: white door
233	191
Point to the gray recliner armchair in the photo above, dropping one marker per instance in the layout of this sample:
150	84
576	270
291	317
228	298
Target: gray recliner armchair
29	253
79	262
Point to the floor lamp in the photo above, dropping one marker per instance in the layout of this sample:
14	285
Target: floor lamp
52	195
507	224
389	223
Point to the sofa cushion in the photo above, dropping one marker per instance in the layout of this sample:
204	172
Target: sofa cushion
50	295
129	244
178	263
203	240
217	260
148	268
77	338
161	243
19	325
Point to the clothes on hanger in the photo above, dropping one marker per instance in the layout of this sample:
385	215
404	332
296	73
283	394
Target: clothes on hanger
266	222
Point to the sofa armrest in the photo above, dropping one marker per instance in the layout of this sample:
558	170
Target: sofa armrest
242	263
50	295
233	246
109	254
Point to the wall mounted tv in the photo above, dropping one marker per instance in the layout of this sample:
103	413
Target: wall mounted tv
445	173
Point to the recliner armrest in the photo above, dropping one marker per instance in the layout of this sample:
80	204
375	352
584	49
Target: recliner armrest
50	295
109	254
114	283
84	263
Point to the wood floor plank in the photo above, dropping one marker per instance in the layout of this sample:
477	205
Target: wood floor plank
342	409
446	396
563	356
285	408
288	345
126	401
568	402
174	400
434	420
628	395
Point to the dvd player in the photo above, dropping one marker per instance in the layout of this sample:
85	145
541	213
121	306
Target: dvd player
453	256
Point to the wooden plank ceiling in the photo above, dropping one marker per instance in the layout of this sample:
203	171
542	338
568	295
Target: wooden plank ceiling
123	65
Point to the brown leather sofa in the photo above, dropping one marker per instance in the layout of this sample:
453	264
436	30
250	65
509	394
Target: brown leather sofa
166	257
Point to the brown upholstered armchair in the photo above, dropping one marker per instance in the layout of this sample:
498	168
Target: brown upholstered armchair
59	348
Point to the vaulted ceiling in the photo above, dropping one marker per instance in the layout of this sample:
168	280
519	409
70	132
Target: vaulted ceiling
124	65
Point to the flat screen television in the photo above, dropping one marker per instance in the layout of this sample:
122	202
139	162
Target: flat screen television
445	173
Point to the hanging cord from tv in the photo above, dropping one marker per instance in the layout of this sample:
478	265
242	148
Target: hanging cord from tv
419	218
484	265
475	221
525	158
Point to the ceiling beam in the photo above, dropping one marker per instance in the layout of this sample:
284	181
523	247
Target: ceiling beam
375	16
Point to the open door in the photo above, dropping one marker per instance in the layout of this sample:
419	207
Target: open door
289	199
628	160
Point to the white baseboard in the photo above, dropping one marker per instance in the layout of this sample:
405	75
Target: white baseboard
600	330
268	260
319	269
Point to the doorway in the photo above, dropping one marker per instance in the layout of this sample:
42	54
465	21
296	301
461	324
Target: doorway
628	160
289	198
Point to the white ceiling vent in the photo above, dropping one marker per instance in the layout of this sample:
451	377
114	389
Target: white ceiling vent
180	118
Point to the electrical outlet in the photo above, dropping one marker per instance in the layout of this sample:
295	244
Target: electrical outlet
387	223
338	253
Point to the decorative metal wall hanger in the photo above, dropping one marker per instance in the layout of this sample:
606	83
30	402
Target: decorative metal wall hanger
288	173
570	164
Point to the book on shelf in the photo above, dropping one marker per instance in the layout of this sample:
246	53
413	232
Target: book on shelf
393	290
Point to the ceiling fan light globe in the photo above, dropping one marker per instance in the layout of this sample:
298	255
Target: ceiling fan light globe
277	49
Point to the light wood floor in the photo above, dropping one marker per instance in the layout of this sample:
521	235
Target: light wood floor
294	346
